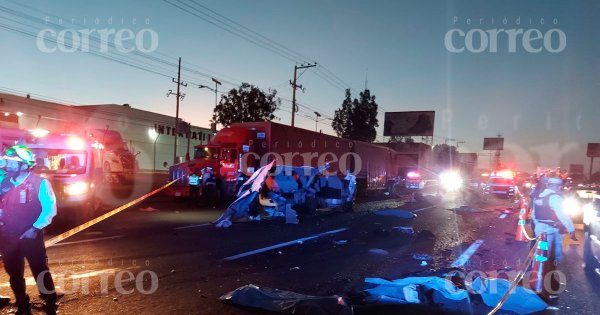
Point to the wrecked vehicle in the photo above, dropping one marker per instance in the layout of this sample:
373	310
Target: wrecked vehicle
283	191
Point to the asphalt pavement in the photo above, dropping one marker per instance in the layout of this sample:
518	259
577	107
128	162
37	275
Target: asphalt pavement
164	257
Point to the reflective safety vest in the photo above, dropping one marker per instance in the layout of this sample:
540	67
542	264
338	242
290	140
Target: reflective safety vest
194	180
544	212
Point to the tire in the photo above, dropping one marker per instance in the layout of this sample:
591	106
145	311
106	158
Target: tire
590	264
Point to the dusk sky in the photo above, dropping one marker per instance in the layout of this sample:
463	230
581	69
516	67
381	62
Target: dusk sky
545	104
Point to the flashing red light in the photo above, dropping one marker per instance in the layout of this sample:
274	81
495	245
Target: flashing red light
76	143
505	174
413	175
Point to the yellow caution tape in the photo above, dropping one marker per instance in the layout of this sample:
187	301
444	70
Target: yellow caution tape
517	279
75	230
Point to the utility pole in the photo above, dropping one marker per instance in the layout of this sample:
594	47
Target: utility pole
295	86
178	97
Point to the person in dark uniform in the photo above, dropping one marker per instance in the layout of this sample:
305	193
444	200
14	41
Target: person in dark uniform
27	208
194	182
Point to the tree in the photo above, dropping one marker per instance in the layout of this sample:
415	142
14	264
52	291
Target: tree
357	119
342	120
246	104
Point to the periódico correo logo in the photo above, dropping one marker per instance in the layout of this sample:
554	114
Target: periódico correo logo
71	40
513	40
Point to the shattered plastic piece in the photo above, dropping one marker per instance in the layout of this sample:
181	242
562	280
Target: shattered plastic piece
295	268
378	251
421	257
396	213
286	302
341	242
521	300
404	229
423	263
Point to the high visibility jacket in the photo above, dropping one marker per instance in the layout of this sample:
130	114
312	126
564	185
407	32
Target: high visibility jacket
194	180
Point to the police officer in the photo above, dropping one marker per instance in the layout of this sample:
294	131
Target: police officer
209	187
28	207
194	182
549	217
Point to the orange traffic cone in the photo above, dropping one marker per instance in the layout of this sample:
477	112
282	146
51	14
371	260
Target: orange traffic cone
520	235
540	267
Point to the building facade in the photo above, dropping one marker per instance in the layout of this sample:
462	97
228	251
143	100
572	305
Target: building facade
150	136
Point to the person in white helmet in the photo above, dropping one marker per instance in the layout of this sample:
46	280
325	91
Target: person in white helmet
549	217
27	208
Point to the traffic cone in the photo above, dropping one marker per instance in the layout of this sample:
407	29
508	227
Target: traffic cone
520	234
540	267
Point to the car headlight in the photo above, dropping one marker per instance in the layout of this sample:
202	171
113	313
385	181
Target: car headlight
589	213
451	181
571	206
78	188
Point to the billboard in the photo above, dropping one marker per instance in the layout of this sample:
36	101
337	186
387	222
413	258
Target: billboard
593	150
576	168
419	123
493	143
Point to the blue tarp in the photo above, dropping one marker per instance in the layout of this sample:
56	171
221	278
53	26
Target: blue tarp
521	300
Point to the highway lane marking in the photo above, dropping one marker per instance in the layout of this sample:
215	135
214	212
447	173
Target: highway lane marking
280	245
503	216
426	208
191	226
90	240
466	255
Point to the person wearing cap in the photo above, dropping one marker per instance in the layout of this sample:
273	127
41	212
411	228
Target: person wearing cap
28	207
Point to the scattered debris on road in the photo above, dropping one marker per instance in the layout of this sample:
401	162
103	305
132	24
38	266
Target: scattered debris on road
286	302
378	251
340	242
421	257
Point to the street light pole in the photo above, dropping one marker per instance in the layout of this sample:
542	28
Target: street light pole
317	120
217	83
154	162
